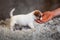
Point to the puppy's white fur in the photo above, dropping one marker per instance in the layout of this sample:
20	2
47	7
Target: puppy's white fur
26	19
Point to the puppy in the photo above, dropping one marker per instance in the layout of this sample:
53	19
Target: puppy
24	19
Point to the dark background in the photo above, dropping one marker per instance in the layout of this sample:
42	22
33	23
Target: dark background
26	6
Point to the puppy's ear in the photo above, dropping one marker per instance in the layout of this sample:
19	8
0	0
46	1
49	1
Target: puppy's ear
37	13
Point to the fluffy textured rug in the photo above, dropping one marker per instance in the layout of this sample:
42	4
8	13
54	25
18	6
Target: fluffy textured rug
46	31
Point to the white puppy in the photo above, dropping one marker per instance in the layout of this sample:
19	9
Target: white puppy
24	19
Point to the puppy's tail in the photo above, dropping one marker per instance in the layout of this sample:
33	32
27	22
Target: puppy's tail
11	12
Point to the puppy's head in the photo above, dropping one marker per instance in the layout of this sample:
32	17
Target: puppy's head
38	14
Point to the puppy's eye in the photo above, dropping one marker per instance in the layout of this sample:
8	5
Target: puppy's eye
39	16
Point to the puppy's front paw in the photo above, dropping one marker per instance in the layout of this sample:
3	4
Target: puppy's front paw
12	29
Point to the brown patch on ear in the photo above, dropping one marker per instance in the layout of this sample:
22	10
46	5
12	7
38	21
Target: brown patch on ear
37	13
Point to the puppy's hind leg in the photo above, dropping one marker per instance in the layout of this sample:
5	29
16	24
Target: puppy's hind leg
12	26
